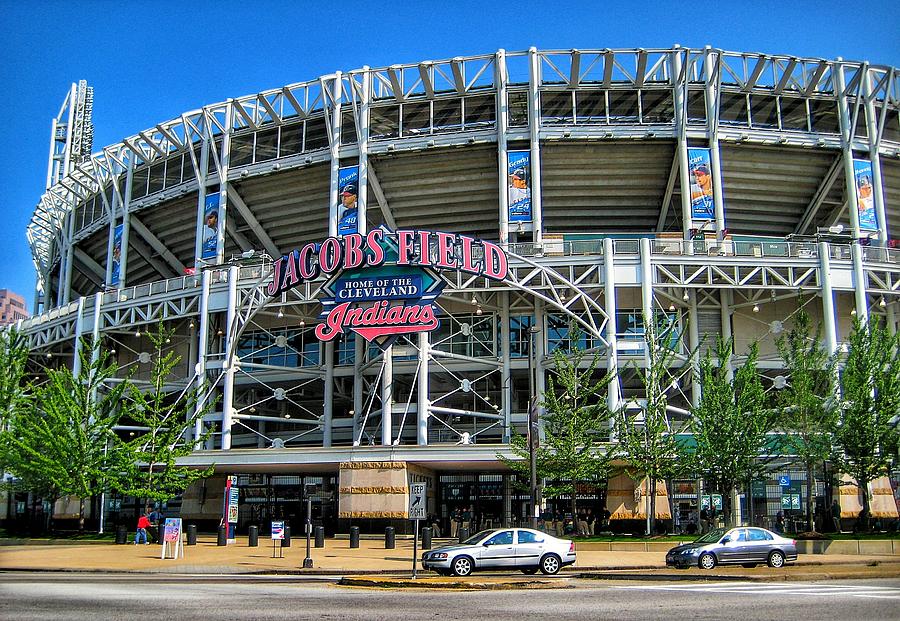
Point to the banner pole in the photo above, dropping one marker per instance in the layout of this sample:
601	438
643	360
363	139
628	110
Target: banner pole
415	548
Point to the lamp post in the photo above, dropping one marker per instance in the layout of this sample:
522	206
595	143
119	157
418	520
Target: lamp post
533	427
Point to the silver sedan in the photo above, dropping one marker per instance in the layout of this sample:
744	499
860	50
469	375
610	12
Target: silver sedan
503	548
747	546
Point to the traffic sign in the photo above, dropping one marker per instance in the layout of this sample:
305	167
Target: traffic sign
417	501
784	481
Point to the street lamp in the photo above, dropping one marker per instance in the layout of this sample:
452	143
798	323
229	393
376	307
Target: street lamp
533	427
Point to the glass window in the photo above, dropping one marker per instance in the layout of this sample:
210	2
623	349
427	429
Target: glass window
559	334
739	534
860	112
266	144
291	140
348	128
416	118
501	539
696	106
590	107
187	168
448	115
517	102
520	335
242	149
733	109
756	534
214	152
763	111
623	107
556	107
793	113
173	171
384	122
316	134
824	116
157	177
892	126
346	349
139	182
480	111
526	536
657	106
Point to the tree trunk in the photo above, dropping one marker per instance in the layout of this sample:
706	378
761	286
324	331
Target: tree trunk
574	506
651	489
867	509
810	491
80	516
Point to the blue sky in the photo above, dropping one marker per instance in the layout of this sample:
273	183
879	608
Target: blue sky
151	61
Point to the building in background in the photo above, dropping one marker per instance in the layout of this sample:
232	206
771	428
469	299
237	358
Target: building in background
12	307
715	191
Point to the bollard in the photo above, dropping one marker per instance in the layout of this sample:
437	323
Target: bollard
463	534
223	536
354	536
121	535
253	536
191	534
320	536
426	538
286	542
390	539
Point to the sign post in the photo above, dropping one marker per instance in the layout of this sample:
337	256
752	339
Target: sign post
172	536
307	561
277	536
417	506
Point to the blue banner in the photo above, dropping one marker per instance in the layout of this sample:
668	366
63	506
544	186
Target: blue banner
518	168
865	199
210	247
116	256
348	188
702	204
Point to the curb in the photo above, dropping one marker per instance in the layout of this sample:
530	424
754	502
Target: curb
437	583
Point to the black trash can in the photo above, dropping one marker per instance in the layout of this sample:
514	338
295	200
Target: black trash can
320	536
426	538
253	536
191	534
354	536
222	539
121	535
463	534
390	539
286	542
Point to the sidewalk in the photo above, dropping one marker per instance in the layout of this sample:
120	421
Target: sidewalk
335	558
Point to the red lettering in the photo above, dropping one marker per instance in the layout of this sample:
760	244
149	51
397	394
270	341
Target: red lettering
424	248
495	264
353	254
330	255
467	265
309	268
377	252
404	246
275	285
445	256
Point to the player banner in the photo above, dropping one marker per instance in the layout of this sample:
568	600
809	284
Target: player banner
348	188
518	167
210	248
862	172
116	256
702	204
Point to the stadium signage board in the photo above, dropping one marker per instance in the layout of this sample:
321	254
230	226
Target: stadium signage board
382	284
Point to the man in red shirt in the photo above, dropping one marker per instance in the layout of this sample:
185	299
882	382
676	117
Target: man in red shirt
142	525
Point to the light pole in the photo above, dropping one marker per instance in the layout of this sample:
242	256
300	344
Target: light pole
533	427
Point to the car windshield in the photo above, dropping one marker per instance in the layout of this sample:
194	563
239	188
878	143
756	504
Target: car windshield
712	536
478	537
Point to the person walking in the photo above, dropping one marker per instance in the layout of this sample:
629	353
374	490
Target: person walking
140	536
836	515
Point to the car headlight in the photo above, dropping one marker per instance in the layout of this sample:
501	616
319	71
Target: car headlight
438	556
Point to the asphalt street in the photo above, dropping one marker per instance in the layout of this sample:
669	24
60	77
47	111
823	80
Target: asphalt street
26	596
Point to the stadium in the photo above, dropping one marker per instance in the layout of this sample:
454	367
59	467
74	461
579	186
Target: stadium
510	196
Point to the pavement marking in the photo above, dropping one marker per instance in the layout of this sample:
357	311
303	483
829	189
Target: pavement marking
753	588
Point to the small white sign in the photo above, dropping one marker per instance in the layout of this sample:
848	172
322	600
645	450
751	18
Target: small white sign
417	501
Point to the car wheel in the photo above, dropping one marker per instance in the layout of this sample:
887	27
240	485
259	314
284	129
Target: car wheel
462	566
706	561
776	559
550	564
529	571
748	565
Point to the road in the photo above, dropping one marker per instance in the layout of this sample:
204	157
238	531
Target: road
33	596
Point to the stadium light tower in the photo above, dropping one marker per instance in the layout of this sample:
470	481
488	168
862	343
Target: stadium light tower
71	132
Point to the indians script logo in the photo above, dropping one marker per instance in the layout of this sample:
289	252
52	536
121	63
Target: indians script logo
384	284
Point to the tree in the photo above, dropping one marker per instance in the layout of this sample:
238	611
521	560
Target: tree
807	415
575	419
647	441
730	423
866	435
64	444
153	470
14	391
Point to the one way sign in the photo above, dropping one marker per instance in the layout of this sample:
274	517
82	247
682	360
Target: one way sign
417	501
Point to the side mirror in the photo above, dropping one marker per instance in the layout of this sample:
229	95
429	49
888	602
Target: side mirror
486	544
725	540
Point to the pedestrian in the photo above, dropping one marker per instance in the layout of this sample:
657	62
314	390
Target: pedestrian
779	522
156	518
836	515
582	524
455	521
591	520
140	536
704	521
466	518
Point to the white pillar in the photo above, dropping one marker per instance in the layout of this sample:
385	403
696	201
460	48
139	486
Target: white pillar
500	80
827	298
362	199
875	157
359	352
79	329
646	290
126	223
224	160
725	302
506	370
609	295
201	175
328	413
712	124
678	57
230	359
859	283
335	149
694	344
387	397
422	399
534	127
846	147
202	346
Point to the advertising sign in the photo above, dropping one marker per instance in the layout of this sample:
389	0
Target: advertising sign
790	501
233	497
348	188
716	501
172	530
702	205
518	169
862	172
384	284
210	247
417	501
277	530
116	255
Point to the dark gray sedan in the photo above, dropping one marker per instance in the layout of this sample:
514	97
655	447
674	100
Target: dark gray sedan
744	545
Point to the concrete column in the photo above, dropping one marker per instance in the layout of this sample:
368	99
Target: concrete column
202	346
79	330
506	368
534	127
422	399
609	295
646	291
828	317
859	283
694	344
230	359
500	80
387	397
712	124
